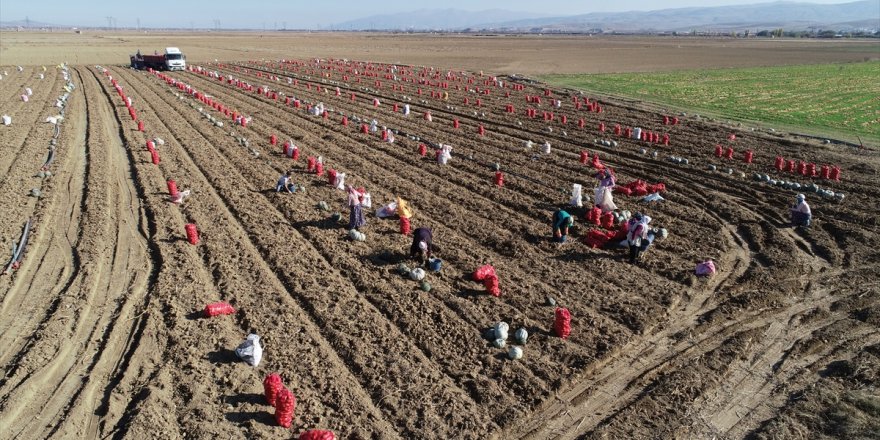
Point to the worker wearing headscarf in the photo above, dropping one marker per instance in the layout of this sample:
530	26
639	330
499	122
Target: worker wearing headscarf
636	233
562	220
606	178
801	215
356	215
422	244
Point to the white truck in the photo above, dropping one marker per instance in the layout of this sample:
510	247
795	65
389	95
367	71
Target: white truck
172	59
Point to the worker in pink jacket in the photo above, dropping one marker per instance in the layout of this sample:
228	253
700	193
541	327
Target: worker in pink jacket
800	212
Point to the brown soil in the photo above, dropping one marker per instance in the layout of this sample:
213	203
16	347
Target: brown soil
102	332
523	54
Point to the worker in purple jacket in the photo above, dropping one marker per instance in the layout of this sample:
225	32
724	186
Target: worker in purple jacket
606	178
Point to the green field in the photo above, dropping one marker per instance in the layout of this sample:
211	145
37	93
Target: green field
841	100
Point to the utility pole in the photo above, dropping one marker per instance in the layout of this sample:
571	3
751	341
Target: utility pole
109	22
139	24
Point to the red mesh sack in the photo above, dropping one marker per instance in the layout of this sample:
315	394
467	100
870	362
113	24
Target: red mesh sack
596	239
484	272
272	386
594	214
285	403
218	308
659	187
562	324
331	177
620	233
622	190
192	233
492	286
404	226
607	220
317	434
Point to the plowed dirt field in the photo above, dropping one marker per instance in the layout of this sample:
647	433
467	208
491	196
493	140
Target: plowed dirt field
102	333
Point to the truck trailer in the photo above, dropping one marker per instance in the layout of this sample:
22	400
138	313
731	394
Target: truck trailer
172	59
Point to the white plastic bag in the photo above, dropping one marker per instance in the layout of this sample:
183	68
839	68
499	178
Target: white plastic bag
367	201
387	210
604	199
546	147
340	181
181	197
7	119
576	198
653	197
445	154
250	350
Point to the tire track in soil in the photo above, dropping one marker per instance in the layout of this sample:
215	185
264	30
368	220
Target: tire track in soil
58	369
757	380
613	387
266	257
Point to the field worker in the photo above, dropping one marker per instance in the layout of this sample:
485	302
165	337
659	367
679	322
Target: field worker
562	220
800	213
284	183
606	178
422	245
637	232
356	215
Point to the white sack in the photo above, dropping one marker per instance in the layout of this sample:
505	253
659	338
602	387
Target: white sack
576	197
250	350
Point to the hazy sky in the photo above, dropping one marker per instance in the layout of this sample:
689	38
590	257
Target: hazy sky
300	14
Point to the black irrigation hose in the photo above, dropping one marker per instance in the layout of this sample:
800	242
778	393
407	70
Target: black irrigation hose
18	251
49	159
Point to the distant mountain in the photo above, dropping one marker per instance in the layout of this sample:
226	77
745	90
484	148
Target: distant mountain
434	19
781	14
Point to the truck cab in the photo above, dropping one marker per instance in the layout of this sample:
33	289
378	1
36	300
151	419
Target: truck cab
174	59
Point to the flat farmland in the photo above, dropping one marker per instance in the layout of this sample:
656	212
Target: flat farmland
838	99
102	328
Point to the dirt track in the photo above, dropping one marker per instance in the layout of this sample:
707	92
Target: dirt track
102	332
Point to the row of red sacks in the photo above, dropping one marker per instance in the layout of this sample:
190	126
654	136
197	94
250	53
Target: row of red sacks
639	188
618	130
807	169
